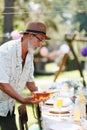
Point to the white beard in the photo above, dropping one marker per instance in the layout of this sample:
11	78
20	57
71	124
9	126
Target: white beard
32	49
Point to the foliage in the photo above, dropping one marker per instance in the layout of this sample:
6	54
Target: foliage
59	16
82	17
46	9
79	14
75	84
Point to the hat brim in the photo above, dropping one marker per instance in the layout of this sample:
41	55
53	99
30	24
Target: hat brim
46	37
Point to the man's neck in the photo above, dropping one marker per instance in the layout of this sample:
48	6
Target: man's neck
24	50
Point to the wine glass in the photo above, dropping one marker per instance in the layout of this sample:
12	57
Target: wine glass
58	104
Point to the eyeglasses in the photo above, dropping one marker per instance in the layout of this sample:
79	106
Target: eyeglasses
41	40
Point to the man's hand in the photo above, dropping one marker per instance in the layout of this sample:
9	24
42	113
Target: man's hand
31	100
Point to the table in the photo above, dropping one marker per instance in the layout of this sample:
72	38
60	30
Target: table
51	122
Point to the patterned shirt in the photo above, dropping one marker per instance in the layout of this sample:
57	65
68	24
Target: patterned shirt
11	72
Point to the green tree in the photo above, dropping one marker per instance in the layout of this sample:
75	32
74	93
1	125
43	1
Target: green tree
8	17
80	15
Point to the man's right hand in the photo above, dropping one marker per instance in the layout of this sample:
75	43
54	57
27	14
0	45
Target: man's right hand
31	100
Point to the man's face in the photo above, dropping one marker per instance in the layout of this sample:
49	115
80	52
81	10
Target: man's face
36	42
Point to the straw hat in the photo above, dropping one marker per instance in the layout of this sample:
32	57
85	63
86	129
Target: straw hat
36	28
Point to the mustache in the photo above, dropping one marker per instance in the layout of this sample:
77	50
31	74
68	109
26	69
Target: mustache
36	47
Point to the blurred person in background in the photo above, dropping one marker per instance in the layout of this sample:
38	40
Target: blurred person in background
55	55
16	71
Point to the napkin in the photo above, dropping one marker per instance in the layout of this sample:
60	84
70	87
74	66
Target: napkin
64	126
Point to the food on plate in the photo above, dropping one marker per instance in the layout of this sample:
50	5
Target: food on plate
41	95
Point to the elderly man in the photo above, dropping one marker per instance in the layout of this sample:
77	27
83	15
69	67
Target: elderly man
16	71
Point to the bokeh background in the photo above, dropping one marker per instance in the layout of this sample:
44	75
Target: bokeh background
66	22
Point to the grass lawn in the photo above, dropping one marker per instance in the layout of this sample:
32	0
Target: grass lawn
69	74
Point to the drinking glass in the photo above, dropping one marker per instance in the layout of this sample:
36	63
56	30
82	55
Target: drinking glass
59	103
76	113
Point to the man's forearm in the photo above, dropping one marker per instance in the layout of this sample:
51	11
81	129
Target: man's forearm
6	88
31	86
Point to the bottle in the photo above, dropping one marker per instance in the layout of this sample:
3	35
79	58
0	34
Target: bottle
76	111
82	105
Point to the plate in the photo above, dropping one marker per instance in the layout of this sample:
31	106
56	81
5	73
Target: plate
49	102
64	110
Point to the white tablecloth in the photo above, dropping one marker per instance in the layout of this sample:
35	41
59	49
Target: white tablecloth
51	122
